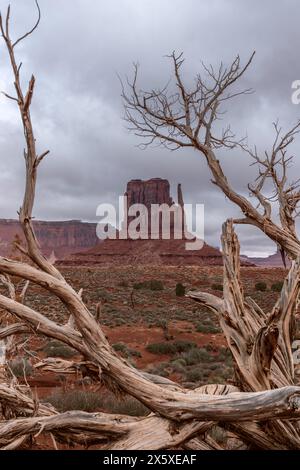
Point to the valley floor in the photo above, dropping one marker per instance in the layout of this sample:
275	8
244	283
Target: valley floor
146	323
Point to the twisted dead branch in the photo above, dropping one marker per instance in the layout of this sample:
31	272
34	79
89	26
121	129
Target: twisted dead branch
260	342
177	116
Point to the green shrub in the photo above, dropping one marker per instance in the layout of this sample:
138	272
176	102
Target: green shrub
277	286
218	379
154	284
140	285
160	369
194	375
179	361
210	348
225	372
128	406
201	328
180	290
58	349
206	372
118	321
120	347
217	287
218	434
196	356
261	286
214	366
178	365
224	355
173	347
182	345
125	350
75	400
20	367
161	348
162	323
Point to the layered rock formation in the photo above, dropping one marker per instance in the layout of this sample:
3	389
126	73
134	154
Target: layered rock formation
60	238
275	261
152	194
149	251
153	191
167	252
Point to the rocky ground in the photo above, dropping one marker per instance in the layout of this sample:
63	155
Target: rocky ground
149	322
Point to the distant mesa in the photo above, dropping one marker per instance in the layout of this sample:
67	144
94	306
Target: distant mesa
73	241
57	239
275	261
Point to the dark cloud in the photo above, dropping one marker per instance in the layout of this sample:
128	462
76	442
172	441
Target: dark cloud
76	54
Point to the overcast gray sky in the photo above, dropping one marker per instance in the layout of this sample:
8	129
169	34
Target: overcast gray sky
76	54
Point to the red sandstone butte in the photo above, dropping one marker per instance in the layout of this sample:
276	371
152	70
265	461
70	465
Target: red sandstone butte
153	191
160	251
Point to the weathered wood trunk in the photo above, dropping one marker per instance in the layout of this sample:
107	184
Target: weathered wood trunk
2	360
263	408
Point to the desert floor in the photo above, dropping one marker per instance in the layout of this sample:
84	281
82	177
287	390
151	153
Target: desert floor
147	323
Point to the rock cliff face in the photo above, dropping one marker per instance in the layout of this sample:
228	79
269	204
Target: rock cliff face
153	191
148	251
62	238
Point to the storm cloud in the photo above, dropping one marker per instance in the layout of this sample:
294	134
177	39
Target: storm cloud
78	52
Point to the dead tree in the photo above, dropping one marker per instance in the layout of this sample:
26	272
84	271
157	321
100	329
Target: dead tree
264	406
176	117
